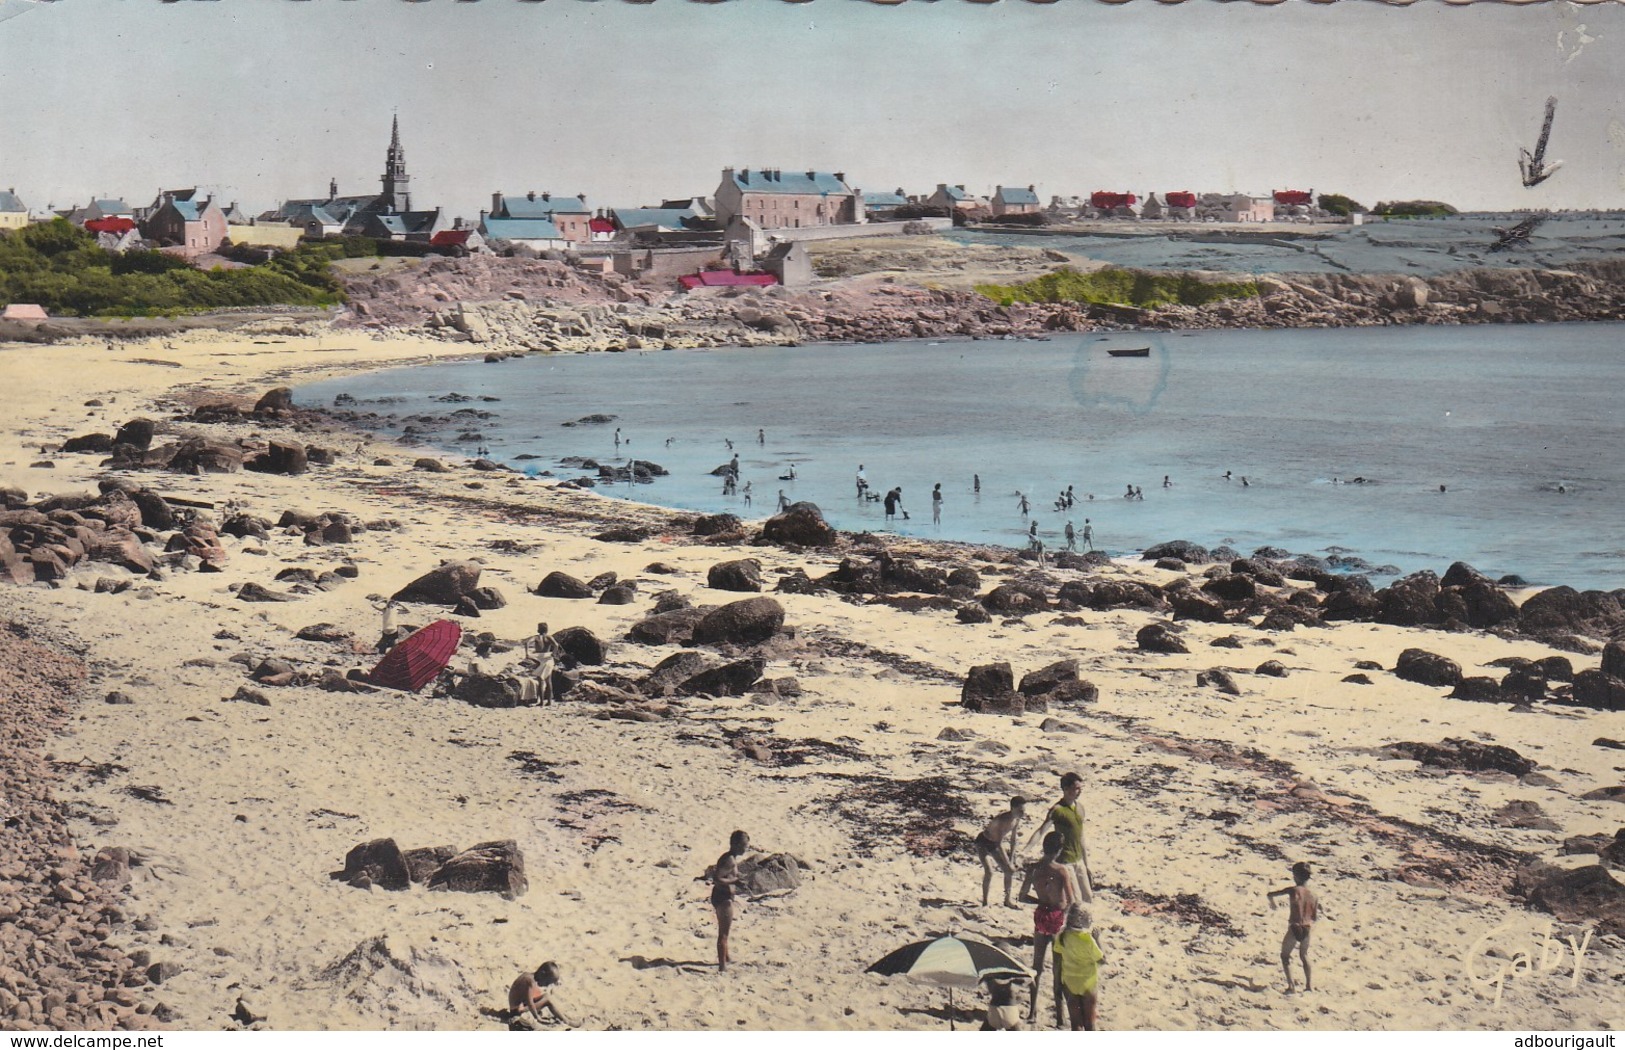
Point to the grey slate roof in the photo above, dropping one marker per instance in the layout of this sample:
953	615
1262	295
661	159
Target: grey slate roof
1016	195
10	202
799	182
496	229
523	207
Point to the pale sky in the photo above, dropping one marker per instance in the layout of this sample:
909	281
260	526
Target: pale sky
260	100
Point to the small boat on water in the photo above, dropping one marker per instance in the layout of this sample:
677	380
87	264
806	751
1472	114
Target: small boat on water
1129	351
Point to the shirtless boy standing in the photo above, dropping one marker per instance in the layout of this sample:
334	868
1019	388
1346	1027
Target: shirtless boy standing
1299	924
990	848
1050	886
724	879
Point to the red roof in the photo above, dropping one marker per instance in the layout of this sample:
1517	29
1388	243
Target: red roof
726	279
1182	199
600	226
113	224
449	238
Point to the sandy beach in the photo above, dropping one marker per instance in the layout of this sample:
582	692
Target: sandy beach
872	773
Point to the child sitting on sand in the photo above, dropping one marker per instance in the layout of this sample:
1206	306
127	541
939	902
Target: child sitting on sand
1299	924
533	991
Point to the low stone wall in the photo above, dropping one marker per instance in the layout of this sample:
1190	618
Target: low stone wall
867	229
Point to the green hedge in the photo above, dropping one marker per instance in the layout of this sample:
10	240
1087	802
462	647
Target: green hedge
1119	287
60	267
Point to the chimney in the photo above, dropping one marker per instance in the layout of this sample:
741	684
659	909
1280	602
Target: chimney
744	176
1031	188
959	186
582	197
840	176
942	187
332	189
531	195
811	174
496	203
546	196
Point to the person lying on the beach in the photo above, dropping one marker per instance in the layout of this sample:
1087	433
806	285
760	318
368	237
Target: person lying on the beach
1049	885
531	992
990	848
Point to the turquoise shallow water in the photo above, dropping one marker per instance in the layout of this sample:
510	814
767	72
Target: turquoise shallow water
1502	416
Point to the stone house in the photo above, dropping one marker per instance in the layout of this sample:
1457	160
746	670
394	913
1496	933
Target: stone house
569	216
192	227
1013	200
953	199
776	199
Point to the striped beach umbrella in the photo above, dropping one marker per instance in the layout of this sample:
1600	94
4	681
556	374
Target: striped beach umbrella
418	658
952	962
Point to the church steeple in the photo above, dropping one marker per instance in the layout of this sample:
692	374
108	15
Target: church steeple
397	195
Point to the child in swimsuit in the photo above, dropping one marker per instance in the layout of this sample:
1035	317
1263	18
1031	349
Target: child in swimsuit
723	879
990	848
1300	923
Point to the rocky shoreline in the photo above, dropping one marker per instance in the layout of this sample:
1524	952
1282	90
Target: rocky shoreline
514	306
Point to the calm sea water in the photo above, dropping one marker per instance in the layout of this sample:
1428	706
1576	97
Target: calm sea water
1501	416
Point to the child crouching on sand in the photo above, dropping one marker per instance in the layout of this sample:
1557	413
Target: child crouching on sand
531	992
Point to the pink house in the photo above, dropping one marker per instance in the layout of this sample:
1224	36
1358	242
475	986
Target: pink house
775	199
192	228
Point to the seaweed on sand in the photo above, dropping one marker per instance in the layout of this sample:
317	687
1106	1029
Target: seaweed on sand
920	815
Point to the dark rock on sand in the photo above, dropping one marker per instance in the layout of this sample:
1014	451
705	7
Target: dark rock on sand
973	613
1160	637
1045	679
558	584
802	524
276	401
283	457
1232	588
1525	815
745	574
100	444
964	576
1220	680
1191	604
203	456
578	645
423	862
991	689
1560	611
1465	755
1410	602
1419	665
740	623
1015	599
715	525
490	867
137	433
796	581
1525	683
1478	687
432	465
1358	679
1184	550
620	594
673	671
253	592
446	584
675	626
731	679
1273	668
1613	659
1599	690
378	862
776	873
1589	895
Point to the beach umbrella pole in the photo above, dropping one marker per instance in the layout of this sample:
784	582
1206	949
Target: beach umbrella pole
951	1027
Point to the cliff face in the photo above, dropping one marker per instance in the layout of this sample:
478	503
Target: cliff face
516	305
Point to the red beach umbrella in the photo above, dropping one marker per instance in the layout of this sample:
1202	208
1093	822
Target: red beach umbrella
416	659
